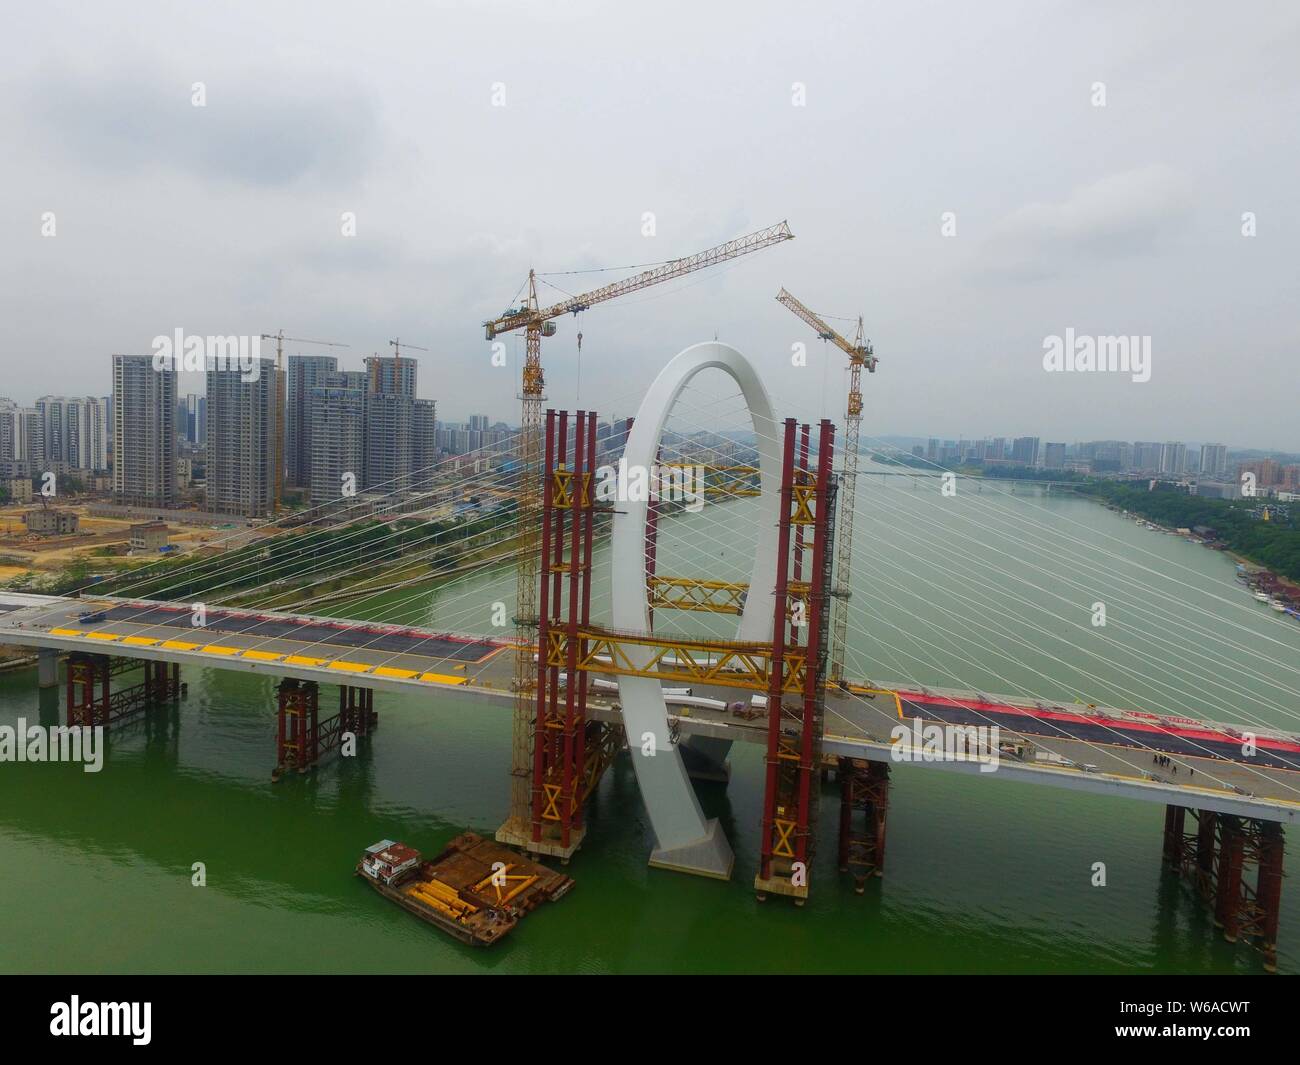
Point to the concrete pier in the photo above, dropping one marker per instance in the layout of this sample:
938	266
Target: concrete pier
47	668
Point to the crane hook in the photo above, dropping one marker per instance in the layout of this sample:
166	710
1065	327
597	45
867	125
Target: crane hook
580	341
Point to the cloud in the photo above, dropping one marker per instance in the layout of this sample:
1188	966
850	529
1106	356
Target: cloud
1122	216
263	129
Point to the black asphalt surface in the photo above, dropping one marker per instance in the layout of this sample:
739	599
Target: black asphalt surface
342	635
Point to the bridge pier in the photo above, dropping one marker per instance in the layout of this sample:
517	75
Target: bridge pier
302	738
705	758
1214	860
47	667
357	710
297	726
864	789
90	700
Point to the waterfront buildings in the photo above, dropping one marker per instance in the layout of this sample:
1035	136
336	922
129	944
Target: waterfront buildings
305	373
242	421
144	424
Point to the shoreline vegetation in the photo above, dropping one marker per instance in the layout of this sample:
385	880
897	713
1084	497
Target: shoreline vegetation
1237	526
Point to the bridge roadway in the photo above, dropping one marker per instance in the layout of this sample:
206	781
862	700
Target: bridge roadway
1095	749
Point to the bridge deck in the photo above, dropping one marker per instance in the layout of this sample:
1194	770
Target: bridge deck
1102	750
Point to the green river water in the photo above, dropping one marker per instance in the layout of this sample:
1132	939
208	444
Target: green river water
984	591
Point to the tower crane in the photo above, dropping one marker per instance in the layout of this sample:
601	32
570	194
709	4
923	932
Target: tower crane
860	353
397	346
280	415
537	322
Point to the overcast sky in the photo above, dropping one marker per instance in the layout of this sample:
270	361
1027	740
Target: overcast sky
1122	219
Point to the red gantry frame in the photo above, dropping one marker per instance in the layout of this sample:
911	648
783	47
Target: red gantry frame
799	622
570	752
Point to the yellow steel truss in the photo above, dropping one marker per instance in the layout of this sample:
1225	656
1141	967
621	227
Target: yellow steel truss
717	597
726	480
685	593
562	489
726	663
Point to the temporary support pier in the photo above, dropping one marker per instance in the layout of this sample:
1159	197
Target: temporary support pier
570	753
91	702
1214	857
864	809
302	738
794	731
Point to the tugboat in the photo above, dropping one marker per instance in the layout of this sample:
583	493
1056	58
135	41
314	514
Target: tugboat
474	889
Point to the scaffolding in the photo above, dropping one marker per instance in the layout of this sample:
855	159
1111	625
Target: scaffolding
799	628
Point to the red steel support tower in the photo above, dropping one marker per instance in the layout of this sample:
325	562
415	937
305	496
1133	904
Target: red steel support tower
807	504
569	751
1215	860
296	734
91	702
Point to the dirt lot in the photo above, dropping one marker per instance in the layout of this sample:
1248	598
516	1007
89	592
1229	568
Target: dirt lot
53	552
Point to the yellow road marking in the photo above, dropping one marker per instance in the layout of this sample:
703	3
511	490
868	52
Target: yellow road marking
217	649
298	660
401	674
441	678
66	632
262	656
104	635
139	641
351	667
180	645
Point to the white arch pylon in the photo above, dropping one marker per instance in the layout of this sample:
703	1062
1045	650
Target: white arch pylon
685	840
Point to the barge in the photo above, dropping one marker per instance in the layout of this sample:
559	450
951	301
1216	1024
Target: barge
474	889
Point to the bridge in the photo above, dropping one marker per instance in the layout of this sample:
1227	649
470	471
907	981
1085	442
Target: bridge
590	691
1103	750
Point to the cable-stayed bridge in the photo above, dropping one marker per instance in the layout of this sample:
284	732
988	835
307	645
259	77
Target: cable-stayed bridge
675	702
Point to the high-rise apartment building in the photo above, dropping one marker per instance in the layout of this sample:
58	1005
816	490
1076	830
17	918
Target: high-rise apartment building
424	444
1147	456
242	421
54	428
1214	460
337	410
390	423
74	431
386	374
1024	449
191	420
144	423
306	372
1173	459
1054	456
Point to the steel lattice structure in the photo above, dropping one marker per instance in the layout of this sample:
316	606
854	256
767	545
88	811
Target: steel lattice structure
860	353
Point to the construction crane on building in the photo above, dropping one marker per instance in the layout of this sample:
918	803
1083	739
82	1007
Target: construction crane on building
860	354
537	322
280	413
397	345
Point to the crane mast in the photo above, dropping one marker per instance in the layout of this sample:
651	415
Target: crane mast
536	322
860	354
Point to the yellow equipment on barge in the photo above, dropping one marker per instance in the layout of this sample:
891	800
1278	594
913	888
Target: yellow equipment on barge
474	889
